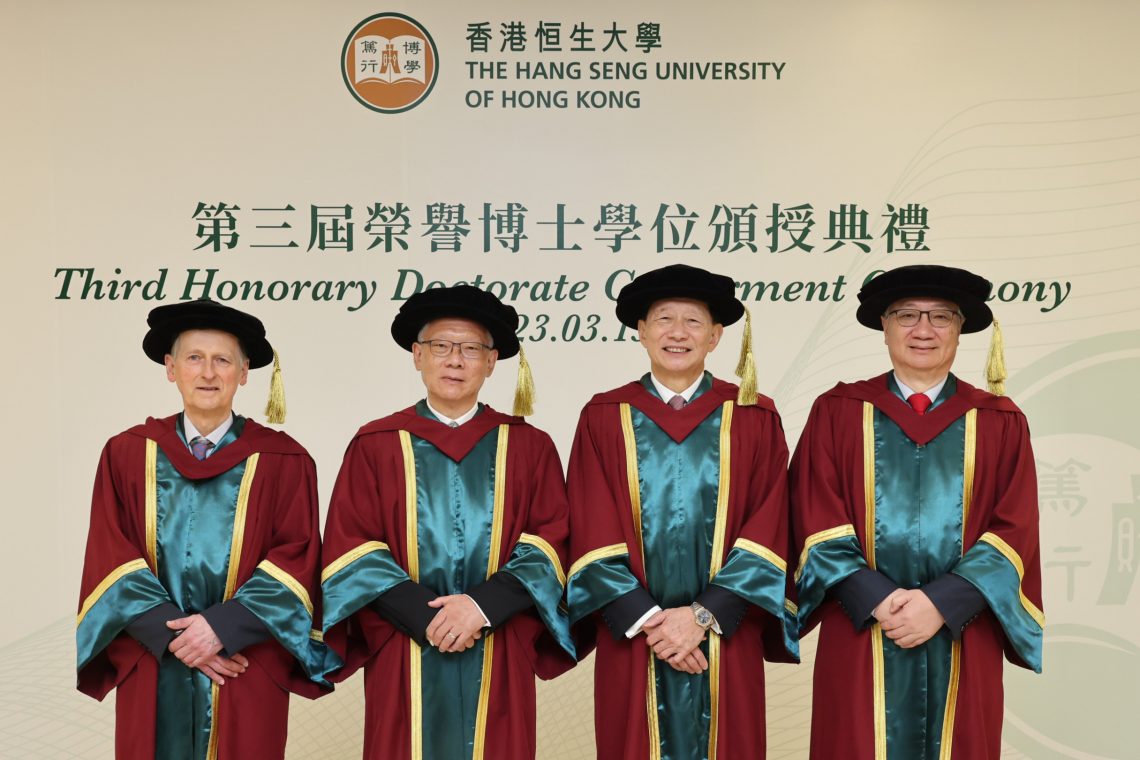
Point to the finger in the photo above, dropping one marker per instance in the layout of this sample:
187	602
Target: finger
699	657
222	666
656	619
437	602
232	664
241	660
687	664
213	675
180	623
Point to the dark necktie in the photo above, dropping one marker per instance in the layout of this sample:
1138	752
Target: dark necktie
677	402
920	402
200	447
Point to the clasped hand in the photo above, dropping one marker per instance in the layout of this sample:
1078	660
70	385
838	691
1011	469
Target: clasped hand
675	638
197	646
908	617
457	625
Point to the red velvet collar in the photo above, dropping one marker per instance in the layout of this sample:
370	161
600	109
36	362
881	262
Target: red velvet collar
457	442
677	423
922	429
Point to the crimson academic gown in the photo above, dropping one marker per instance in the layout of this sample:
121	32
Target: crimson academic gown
147	477
862	439
726	470
395	522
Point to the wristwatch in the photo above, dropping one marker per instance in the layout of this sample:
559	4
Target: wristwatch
704	618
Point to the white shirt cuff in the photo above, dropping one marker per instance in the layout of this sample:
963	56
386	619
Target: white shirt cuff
636	627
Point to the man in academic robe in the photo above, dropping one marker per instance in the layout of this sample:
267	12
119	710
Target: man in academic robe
202	558
679	535
915	519
445	547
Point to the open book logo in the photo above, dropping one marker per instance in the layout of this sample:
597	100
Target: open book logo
389	63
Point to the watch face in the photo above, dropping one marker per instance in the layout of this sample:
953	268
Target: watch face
704	617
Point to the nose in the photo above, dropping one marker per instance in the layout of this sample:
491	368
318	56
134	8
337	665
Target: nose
924	327
454	357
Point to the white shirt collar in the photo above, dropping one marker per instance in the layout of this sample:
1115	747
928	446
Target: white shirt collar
214	437
465	417
666	393
931	392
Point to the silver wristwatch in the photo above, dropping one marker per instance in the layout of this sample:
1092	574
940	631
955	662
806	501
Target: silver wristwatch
704	618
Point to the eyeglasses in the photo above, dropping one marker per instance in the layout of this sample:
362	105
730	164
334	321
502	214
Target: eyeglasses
441	348
939	318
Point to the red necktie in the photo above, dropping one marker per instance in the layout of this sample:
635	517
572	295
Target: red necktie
920	402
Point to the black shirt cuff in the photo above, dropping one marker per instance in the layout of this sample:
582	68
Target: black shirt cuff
501	597
957	599
626	610
860	593
405	606
149	628
235	626
727	607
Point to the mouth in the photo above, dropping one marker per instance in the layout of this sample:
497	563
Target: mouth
677	350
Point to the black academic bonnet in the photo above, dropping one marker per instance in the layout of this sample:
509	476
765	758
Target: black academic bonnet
168	322
966	289
716	291
461	302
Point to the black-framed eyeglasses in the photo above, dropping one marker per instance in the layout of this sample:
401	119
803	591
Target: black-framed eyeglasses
939	318
468	349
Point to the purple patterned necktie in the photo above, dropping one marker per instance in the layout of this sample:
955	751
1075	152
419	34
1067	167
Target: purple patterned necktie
677	402
200	447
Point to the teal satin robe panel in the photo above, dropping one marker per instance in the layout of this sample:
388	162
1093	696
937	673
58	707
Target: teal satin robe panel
997	579
679	483
358	583
827	563
918	537
540	579
194	531
289	621
597	584
126	599
754	578
454	509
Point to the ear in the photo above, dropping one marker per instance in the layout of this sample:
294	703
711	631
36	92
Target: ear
244	372
714	339
641	330
168	360
418	356
492	356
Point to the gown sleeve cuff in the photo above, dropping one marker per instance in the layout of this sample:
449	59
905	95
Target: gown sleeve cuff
235	626
958	601
149	628
501	597
626	610
405	606
860	593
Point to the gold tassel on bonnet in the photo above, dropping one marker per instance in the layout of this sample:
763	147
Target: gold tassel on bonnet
746	366
524	388
995	362
275	408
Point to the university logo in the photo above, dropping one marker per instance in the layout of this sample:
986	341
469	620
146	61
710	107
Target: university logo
389	63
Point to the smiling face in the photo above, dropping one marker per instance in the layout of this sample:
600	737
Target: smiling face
453	381
678	334
207	366
922	354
